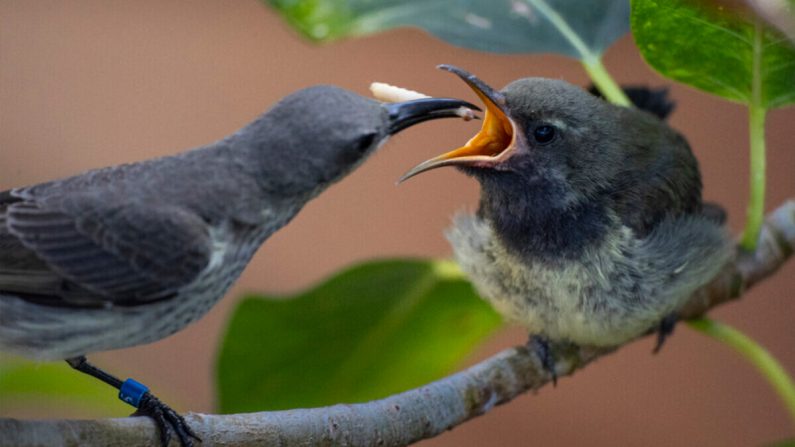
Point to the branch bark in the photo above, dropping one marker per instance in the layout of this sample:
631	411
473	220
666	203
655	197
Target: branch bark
416	414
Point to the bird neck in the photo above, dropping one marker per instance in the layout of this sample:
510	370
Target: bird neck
235	180
536	223
279	158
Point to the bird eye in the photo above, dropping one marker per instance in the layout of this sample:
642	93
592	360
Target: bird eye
365	142
544	134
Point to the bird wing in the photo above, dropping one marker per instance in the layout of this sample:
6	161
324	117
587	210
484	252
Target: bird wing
658	175
87	250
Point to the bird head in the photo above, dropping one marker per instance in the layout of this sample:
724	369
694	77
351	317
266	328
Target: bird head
558	165
320	134
539	132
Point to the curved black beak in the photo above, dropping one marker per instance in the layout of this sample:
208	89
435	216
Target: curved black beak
409	113
488	95
491	146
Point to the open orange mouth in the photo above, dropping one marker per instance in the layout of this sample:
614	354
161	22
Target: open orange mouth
488	147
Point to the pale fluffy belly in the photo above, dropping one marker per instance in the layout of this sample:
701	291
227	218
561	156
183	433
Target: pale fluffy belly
560	309
592	301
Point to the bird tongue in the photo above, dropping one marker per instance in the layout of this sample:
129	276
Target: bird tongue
489	144
495	135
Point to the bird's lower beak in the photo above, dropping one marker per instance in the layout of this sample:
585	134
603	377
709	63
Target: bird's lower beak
408	113
489	146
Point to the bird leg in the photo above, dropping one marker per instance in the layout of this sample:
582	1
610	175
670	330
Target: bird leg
665	330
81	364
166	420
138	395
539	345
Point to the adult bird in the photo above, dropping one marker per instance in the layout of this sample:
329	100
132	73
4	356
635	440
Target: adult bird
130	254
591	228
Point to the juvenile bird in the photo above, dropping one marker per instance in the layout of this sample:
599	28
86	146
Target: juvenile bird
130	254
591	228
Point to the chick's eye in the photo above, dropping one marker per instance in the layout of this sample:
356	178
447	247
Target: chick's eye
544	134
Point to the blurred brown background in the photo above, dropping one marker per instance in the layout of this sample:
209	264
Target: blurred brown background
85	84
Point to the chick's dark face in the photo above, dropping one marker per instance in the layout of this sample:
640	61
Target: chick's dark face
559	143
539	137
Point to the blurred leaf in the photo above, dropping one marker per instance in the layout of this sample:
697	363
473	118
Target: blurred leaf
368	332
782	443
501	26
717	50
24	383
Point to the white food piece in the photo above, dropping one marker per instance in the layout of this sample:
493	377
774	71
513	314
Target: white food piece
466	113
390	93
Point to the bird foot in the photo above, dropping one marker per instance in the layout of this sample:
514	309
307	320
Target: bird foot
167	420
137	394
665	330
539	345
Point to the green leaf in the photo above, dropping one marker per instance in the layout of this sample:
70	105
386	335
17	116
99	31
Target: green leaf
717	50
568	27
782	443
24	383
371	331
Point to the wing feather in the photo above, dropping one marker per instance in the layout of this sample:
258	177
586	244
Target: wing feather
88	250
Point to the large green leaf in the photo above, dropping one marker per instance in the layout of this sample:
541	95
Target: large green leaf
371	331
570	27
717	50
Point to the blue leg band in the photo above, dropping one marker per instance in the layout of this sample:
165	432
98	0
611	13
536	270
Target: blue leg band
131	392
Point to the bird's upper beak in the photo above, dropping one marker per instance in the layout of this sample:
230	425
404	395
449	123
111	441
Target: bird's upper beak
489	146
409	113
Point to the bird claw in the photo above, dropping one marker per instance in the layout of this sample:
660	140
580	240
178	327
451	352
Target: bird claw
665	330
539	345
136	394
167	420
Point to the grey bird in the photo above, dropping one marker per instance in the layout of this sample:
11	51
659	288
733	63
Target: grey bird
127	255
591	228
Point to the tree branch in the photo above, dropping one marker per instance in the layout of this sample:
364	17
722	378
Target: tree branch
416	414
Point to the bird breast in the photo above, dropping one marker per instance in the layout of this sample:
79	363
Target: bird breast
595	300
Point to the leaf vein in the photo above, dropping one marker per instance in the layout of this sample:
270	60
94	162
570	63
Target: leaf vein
728	31
776	42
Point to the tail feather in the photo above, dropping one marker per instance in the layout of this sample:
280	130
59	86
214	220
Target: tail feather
714	213
652	100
